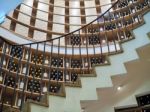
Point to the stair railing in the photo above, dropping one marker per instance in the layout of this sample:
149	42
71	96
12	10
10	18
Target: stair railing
28	71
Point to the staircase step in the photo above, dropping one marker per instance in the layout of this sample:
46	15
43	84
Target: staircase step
110	97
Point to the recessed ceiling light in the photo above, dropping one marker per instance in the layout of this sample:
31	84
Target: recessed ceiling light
119	88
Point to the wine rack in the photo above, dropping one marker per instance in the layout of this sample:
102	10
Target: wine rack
122	4
110	26
97	60
76	63
34	86
37	58
92	30
74	77
16	52
7	98
35	72
75	40
143	100
128	34
128	22
115	20
56	75
146	3
57	62
125	13
13	66
94	39
10	81
54	88
139	6
34	98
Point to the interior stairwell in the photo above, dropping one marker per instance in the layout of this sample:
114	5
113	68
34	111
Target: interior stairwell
99	93
134	82
142	54
103	79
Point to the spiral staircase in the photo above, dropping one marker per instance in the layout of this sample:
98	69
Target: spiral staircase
99	84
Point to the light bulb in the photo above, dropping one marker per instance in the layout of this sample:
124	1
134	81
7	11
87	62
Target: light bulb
119	88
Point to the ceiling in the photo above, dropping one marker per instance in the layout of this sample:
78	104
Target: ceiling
134	82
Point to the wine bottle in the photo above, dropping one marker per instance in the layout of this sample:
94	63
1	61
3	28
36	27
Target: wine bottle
45	75
45	89
24	70
1	78
21	85
19	102
67	77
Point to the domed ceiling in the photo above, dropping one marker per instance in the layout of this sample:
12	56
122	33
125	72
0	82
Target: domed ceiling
45	19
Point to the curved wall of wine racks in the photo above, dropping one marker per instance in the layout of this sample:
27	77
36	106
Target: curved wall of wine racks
29	71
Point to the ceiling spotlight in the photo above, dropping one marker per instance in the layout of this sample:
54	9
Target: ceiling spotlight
119	88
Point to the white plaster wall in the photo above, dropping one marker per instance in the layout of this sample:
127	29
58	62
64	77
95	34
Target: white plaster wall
28	2
43	7
59	2
58	28
25	9
39	36
59	10
145	87
127	101
103	2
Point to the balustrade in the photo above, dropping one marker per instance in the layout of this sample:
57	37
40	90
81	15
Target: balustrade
29	71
